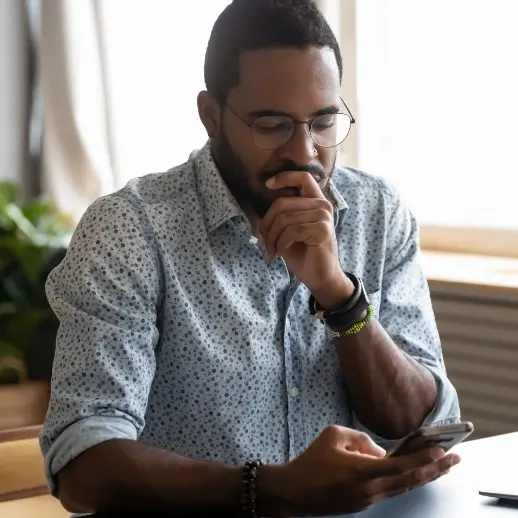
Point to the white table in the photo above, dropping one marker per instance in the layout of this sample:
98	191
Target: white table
456	495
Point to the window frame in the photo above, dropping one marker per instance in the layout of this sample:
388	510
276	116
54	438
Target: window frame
492	242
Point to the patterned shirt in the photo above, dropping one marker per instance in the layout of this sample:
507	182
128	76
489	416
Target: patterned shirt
175	331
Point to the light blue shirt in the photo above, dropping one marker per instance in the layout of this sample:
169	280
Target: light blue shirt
175	331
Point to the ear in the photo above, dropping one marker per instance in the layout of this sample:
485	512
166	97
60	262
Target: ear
209	112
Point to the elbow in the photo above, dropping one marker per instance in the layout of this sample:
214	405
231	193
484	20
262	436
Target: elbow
75	493
71	505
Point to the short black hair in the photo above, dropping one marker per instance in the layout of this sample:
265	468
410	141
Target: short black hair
248	25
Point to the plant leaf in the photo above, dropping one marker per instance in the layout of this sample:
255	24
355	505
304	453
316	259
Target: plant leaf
32	258
16	291
9	349
21	329
12	363
7	308
37	209
16	215
8	193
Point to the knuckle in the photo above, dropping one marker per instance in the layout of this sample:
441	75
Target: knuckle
327	229
431	455
307	176
332	430
333	435
323	228
361	439
418	478
326	205
283	218
364	438
323	214
282	203
398	470
368	492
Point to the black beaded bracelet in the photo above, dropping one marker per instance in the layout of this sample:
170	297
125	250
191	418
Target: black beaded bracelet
249	488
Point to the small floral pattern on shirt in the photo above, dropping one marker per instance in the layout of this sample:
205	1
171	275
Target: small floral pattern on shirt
176	331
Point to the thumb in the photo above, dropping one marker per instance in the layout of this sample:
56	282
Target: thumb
354	441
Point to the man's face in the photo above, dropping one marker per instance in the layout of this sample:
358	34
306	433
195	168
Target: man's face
294	82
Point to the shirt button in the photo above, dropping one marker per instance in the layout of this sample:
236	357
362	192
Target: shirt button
294	392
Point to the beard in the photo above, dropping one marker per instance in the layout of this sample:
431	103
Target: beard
238	177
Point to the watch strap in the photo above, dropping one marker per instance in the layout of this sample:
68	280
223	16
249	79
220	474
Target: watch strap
353	311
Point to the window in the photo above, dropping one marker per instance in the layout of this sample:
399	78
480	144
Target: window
154	58
438	115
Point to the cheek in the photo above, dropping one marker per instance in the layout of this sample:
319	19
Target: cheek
253	158
327	157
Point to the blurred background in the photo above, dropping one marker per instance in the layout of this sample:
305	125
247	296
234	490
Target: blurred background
95	92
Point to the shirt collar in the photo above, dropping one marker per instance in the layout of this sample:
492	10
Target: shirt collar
219	205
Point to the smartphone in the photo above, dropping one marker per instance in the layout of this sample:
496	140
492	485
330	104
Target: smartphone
444	436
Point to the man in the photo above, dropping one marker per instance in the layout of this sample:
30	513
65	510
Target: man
256	302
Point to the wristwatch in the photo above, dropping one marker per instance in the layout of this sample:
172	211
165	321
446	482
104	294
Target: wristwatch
340	320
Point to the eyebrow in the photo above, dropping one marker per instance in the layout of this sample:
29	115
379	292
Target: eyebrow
328	110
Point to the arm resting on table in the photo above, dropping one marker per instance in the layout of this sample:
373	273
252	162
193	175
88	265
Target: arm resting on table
126	475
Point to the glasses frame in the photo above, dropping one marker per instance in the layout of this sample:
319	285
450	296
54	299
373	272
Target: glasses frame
308	123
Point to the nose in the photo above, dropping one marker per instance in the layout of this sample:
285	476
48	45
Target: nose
300	149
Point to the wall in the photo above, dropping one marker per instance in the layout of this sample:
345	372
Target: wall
479	334
13	69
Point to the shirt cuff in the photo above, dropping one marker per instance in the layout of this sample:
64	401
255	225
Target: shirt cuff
81	436
446	410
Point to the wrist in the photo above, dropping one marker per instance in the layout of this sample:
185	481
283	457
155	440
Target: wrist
335	293
274	491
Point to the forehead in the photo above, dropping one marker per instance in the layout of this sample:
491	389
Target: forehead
293	80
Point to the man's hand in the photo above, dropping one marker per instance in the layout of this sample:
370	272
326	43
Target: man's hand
301	231
343	471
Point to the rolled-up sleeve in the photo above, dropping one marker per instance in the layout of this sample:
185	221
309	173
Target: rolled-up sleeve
406	311
106	294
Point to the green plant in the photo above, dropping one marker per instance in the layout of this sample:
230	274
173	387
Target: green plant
33	239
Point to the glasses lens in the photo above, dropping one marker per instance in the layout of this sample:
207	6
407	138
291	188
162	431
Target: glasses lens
330	130
272	132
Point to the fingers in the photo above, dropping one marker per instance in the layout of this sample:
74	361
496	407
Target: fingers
342	438
307	185
412	476
287	219
311	234
293	204
419	477
393	466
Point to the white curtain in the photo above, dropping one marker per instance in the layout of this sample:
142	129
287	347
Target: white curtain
13	89
120	81
77	154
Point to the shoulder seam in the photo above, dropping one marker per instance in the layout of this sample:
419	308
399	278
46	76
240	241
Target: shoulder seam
136	205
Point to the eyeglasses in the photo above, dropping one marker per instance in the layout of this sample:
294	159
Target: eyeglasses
273	131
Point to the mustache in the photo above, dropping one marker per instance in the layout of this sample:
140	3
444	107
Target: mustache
313	170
